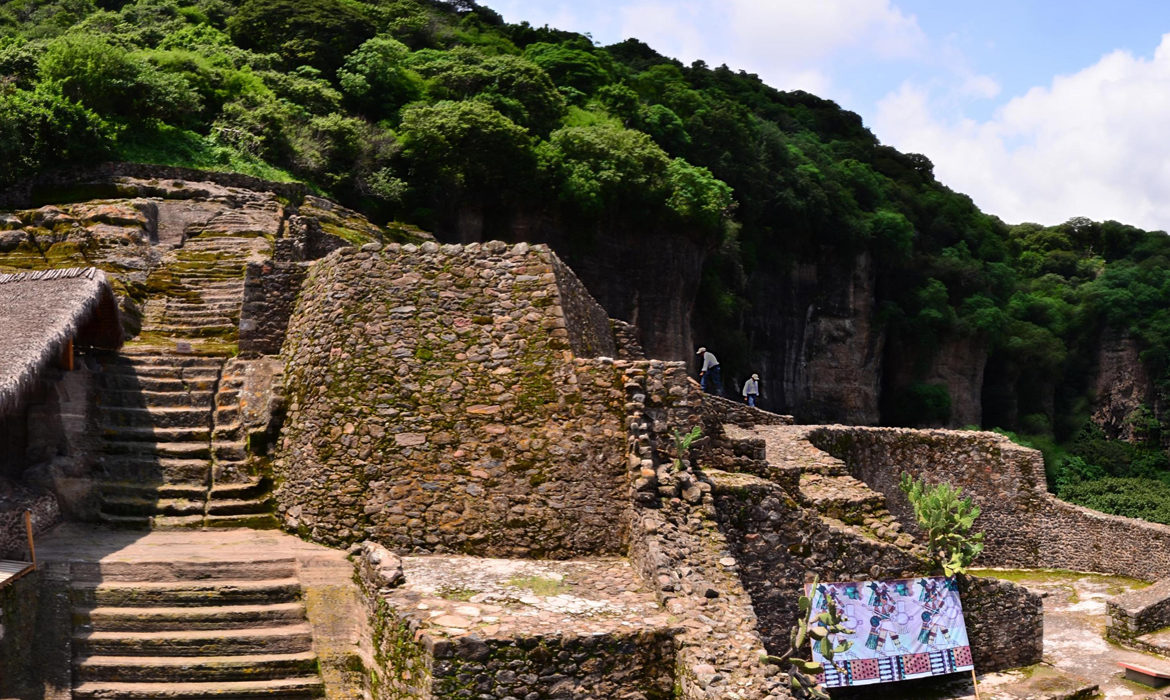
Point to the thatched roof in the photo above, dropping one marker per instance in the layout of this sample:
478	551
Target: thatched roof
39	313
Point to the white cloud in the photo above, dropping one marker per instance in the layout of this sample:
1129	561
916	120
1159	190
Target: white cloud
1089	144
788	43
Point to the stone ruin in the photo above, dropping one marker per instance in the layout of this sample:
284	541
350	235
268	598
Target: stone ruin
497	457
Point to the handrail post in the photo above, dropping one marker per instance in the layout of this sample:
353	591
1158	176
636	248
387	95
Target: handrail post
28	528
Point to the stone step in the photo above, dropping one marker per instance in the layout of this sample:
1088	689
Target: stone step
147	399
153	469
160	417
216	591
140	669
239	506
230	451
254	521
189	618
178	450
135	489
147	356
126	505
150	433
283	688
198	316
180	380
153	522
184	573
284	639
190	331
251	489
223	306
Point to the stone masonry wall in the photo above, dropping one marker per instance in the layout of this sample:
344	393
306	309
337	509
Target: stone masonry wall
590	334
270	293
435	405
18	628
679	549
1025	526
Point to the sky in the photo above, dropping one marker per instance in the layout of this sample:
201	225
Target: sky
1038	110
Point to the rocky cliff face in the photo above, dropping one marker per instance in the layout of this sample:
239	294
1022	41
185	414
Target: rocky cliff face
1122	385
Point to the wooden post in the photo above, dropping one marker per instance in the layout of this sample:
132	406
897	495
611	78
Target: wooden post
976	682
32	551
67	356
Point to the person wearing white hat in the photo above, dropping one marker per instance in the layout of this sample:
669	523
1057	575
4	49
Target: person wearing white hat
709	373
751	390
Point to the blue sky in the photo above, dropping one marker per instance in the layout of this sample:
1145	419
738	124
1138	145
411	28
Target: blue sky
1040	111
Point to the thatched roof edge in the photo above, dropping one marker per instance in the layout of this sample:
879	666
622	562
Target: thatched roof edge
13	390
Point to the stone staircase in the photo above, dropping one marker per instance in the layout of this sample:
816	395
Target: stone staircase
186	630
824	483
171	453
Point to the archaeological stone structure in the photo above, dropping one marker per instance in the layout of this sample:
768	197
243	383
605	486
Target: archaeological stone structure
334	460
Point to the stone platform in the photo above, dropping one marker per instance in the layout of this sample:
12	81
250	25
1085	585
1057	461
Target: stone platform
507	627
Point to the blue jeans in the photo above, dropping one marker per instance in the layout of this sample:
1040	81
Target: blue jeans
711	381
751	400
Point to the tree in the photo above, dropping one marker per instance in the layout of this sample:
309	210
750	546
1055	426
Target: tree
568	66
467	151
376	80
318	33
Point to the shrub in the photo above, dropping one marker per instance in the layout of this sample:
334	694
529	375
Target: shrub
946	519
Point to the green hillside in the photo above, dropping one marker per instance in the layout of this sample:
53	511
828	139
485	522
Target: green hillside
441	114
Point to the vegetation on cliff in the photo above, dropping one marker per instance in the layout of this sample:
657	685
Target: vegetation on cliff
442	114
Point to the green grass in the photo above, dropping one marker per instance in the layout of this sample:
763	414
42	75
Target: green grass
539	585
161	144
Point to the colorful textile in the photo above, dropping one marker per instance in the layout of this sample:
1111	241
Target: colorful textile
902	629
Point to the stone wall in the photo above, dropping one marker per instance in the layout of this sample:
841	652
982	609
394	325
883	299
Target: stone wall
1005	623
270	293
1138	612
718	411
18	627
1025	526
590	334
679	549
435	405
625	337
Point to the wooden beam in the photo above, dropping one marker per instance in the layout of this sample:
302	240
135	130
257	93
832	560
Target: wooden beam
28	528
67	356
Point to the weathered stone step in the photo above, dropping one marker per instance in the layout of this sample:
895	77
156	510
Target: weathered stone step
160	417
150	433
192	316
247	489
285	639
178	450
239	506
190	331
218	591
153	469
180	380
189	618
182	574
145	356
230	451
128	505
153	522
284	688
254	521
135	489
140	669
177	305
146	399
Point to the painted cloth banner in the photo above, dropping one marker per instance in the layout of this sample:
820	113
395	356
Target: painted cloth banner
901	629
